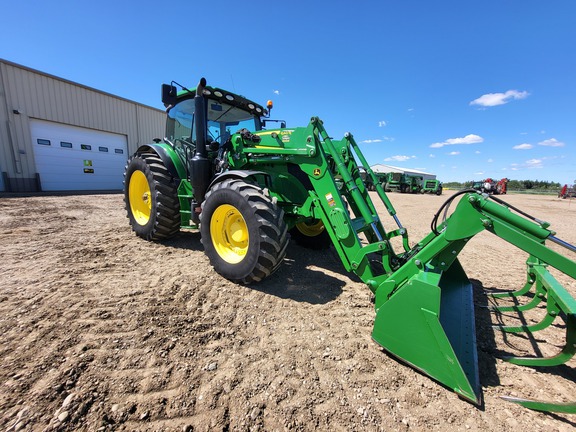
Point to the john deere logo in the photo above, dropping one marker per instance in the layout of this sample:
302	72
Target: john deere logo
317	172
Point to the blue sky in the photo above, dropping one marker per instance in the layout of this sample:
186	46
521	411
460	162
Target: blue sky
462	89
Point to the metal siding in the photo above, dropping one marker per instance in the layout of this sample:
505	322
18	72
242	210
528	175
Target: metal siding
151	125
5	155
45	97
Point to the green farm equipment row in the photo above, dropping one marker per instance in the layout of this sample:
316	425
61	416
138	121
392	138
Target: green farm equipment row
249	189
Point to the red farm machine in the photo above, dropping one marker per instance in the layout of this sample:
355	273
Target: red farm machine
491	186
567	192
249	189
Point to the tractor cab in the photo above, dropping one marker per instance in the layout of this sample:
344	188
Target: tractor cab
226	114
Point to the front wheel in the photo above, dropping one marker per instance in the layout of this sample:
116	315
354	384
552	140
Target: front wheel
312	235
243	232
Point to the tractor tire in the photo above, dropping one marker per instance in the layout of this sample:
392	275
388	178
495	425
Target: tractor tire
243	231
311	235
151	198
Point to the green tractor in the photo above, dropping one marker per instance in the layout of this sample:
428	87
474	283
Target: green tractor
432	186
368	182
412	184
403	183
250	189
394	182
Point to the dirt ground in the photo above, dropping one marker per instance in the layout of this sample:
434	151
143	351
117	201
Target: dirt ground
104	331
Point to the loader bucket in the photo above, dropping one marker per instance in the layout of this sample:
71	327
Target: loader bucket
429	324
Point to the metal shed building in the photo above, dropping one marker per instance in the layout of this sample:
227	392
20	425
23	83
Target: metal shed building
380	168
58	135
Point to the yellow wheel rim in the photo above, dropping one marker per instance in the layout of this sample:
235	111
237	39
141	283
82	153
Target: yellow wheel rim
311	229
229	233
140	197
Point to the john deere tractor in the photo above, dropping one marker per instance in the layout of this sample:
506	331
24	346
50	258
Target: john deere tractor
250	189
432	186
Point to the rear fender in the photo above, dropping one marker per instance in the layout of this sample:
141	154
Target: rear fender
172	162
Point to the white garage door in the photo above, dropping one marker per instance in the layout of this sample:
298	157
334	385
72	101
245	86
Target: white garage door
72	158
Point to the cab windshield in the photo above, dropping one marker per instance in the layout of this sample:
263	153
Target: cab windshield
223	121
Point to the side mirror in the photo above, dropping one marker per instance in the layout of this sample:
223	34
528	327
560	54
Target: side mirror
169	94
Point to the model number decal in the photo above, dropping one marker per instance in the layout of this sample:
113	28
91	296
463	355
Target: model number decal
330	200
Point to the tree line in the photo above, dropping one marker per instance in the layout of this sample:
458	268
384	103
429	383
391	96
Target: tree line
539	185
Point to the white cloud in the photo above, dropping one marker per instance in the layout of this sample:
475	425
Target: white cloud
494	99
276	92
479	173
377	140
524	146
552	142
399	158
454	153
477	152
490	160
468	139
432	155
382	123
534	163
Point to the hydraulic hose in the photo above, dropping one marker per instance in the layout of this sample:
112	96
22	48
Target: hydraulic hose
445	206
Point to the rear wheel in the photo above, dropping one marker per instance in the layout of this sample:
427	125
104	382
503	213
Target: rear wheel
312	235
151	198
243	231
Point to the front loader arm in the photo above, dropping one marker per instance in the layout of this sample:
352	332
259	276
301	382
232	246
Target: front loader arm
476	212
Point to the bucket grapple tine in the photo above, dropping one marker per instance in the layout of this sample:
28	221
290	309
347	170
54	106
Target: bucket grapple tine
558	303
566	354
534	301
530	278
538	405
552	311
521	292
